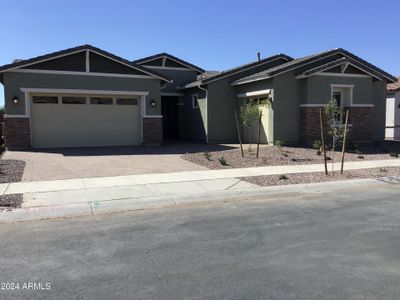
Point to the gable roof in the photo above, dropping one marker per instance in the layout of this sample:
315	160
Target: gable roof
226	73
144	60
74	50
393	87
303	61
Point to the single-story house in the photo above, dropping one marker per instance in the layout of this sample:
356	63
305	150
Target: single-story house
85	97
393	111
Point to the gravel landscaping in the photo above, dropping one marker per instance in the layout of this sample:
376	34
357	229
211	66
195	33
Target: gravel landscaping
273	156
11	171
285	179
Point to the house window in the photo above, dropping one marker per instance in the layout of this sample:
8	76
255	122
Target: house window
343	95
195	101
45	99
73	100
101	100
127	101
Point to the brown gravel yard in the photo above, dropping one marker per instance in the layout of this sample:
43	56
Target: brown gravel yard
272	156
321	177
11	171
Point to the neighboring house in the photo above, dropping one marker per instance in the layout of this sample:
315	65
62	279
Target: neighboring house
85	96
393	111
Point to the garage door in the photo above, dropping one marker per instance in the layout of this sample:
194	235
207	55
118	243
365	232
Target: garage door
84	121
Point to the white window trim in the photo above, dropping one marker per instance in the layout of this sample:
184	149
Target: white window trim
255	93
195	104
351	86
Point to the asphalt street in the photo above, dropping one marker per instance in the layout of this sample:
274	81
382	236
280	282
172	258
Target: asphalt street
325	246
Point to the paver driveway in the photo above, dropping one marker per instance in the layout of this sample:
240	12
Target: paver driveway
102	162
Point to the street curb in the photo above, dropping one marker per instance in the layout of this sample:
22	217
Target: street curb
153	202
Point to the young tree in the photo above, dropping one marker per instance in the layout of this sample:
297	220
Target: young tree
335	125
250	114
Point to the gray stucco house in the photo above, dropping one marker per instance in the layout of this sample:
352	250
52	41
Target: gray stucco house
86	97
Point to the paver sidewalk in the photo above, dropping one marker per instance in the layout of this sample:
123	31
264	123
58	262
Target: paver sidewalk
175	177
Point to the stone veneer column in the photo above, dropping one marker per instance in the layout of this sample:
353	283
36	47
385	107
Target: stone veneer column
152	130
17	133
361	119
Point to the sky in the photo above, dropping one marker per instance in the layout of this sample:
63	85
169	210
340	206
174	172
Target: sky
213	34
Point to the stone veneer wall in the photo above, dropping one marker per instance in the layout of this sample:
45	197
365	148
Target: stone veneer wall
152	131
17	133
361	119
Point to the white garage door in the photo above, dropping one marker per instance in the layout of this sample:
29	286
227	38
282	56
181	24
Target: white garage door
84	121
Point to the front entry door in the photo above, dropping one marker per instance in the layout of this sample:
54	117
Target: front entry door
169	110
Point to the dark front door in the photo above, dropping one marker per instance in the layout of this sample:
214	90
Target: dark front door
169	110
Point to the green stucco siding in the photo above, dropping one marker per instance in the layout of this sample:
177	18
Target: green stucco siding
13	82
319	89
222	103
195	119
379	101
287	95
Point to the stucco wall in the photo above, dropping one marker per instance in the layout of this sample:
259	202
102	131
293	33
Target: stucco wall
319	89
14	81
179	78
287	97
195	119
379	111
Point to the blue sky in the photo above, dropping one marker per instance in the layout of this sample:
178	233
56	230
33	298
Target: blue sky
214	34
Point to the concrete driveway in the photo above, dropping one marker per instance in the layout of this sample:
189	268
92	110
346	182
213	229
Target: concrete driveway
53	164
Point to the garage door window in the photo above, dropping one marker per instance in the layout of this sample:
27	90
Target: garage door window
45	99
74	100
101	100
127	101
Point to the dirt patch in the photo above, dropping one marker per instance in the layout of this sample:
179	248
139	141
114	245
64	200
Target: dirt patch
321	177
8	202
11	170
273	156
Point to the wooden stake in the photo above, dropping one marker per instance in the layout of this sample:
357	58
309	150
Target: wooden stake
344	140
238	132
259	133
321	119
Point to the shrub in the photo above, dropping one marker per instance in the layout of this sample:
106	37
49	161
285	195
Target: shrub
360	156
283	177
279	144
293	159
207	155
383	170
317	144
319	152
222	161
394	154
328	158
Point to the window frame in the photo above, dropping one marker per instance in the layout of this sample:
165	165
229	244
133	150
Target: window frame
195	101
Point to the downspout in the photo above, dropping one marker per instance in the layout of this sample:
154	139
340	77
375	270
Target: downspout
204	89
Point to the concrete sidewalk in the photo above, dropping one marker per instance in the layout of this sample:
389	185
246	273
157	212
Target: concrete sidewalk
73	203
177	177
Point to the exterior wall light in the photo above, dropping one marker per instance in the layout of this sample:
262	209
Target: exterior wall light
153	103
15	100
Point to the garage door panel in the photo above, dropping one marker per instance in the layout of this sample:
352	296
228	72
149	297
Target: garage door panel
85	125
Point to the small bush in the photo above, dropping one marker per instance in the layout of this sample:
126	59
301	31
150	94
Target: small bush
249	150
328	158
293	159
283	177
394	154
285	155
317	145
279	144
360	156
207	155
319	152
222	161
383	170
357	152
